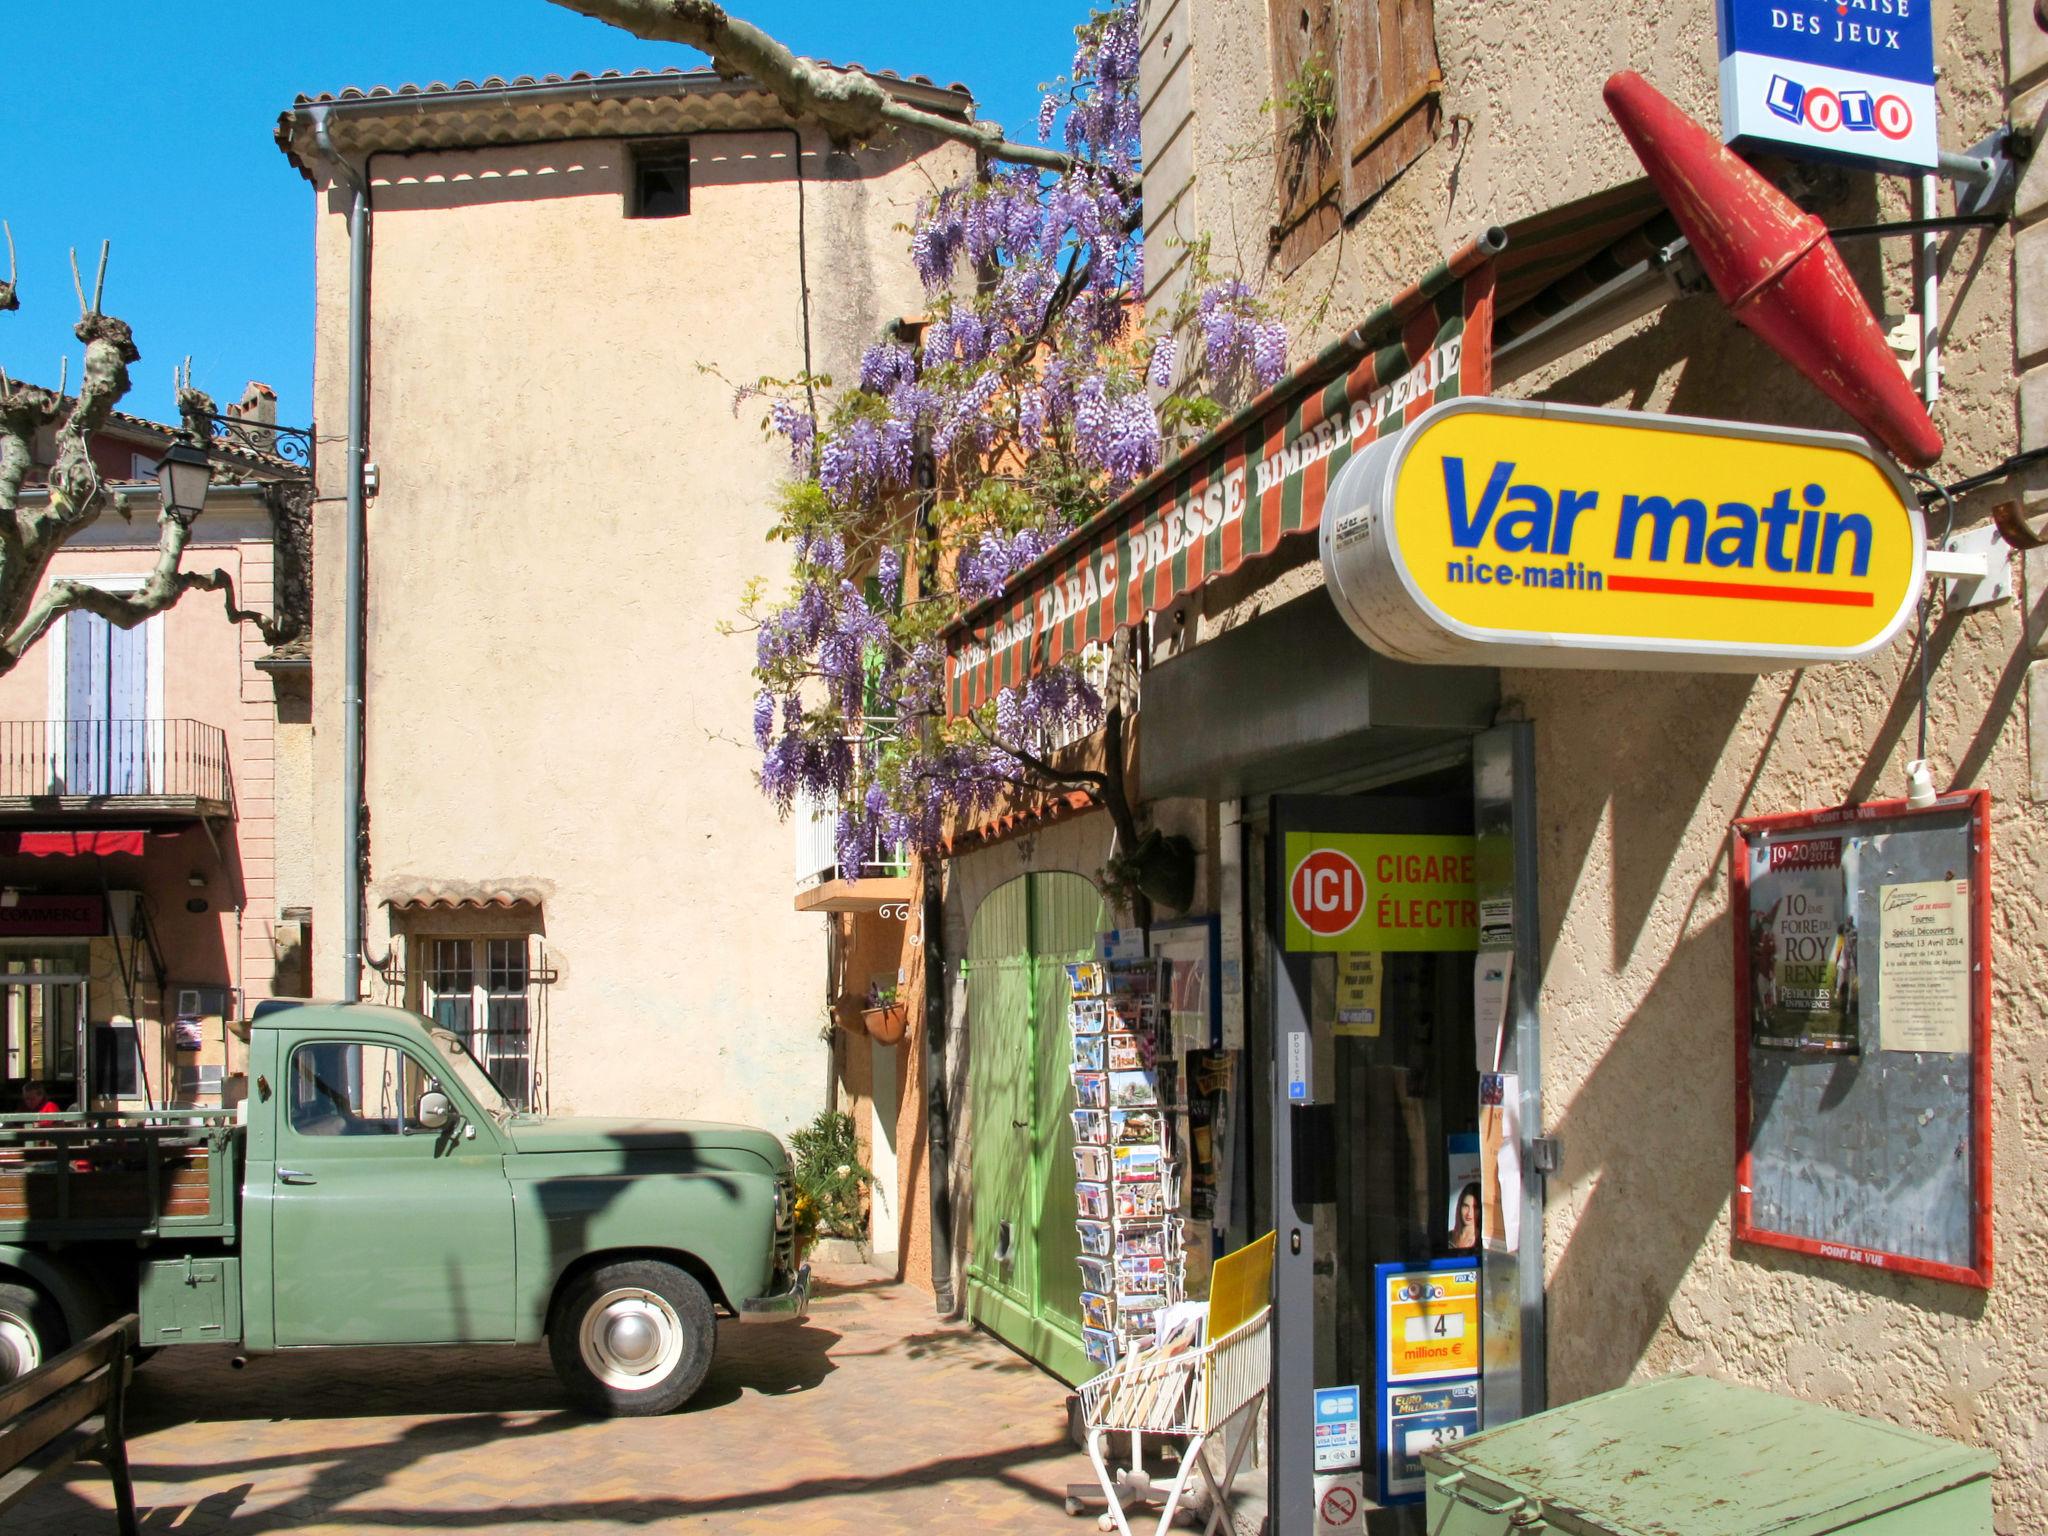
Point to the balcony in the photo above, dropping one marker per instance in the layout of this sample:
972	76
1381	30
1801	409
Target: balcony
883	879
84	771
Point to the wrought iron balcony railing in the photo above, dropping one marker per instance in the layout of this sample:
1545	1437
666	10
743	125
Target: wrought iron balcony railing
817	828
110	759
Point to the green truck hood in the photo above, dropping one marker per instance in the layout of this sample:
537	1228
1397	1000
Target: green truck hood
600	1133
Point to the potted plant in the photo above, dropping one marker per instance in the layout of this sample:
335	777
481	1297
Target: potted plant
884	1013
831	1183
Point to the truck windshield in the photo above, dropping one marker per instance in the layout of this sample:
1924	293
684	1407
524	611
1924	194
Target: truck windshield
472	1075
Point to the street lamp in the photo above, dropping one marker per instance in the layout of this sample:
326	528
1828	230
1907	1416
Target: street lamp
182	475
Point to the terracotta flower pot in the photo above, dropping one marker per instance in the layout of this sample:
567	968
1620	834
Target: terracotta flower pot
888	1023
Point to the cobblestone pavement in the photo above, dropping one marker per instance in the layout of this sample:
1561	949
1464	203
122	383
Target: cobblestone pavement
872	1418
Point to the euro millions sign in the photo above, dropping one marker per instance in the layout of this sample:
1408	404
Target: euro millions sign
1847	80
1380	891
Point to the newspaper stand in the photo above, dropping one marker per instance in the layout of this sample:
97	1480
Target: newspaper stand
1213	1392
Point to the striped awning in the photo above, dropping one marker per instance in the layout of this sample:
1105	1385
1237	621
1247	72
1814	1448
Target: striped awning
1262	475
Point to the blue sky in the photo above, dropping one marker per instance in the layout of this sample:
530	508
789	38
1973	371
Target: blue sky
150	124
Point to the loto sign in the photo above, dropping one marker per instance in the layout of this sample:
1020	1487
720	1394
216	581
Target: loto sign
1504	532
1830	79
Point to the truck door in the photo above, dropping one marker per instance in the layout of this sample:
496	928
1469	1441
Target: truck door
385	1232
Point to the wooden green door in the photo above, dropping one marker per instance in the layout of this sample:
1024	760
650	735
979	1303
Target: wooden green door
1022	1282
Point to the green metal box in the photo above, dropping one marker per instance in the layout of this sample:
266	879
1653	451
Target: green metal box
191	1301
1704	1458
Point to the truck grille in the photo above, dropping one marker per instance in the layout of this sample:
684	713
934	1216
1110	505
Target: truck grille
785	1227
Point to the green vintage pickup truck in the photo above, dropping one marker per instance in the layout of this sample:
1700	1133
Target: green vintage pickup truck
376	1189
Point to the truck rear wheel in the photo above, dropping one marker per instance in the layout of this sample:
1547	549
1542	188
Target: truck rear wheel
634	1338
32	1330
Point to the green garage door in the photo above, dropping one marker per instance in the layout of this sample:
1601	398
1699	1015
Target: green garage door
1022	1282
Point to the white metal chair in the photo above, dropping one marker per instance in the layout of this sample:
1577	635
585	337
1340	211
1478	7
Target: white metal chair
1211	1393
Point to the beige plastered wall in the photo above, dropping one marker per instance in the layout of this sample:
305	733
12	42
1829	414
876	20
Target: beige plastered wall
570	509
1639	775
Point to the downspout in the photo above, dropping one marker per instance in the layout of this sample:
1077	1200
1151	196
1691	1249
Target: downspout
352	581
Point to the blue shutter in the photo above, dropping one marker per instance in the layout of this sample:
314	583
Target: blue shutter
127	705
85	703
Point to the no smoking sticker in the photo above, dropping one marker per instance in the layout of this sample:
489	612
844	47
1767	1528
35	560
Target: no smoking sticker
1340	1503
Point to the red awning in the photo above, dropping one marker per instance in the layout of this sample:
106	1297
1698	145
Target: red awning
63	845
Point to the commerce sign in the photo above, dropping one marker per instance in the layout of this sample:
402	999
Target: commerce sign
1496	532
1830	79
1380	891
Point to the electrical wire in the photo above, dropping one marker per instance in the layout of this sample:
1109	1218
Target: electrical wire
2012	465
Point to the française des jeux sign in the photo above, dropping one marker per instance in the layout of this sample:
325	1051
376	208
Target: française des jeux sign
1380	891
1830	79
1497	532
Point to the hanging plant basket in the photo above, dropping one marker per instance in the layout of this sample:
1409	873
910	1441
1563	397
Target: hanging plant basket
887	1024
1161	867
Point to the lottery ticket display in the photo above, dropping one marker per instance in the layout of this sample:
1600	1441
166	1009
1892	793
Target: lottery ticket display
1127	1160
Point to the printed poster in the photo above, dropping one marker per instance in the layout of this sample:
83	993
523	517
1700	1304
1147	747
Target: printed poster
1491	971
1419	1420
1804	993
1923	966
1429	1322
1359	976
1500	1162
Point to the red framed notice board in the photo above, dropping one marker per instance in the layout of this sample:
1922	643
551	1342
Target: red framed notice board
1863	1035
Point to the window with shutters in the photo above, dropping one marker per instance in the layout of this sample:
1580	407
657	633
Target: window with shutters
1356	90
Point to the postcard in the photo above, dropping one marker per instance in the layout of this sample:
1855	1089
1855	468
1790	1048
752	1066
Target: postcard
1132	1125
1095	1311
1091	1162
1136	1164
1085	979
1088	1053
1101	1346
1094	1238
1132	1013
1141	1274
1091	1090
1139	1202
1092	1201
1086	1016
1145	1243
1091	1127
1097	1275
1132	1090
1125	1054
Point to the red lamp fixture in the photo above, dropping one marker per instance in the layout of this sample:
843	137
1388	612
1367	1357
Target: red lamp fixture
1775	267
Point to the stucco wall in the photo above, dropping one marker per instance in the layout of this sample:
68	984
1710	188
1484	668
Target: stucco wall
570	509
1639	775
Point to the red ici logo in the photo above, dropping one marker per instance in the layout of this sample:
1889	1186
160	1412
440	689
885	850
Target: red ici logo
1327	892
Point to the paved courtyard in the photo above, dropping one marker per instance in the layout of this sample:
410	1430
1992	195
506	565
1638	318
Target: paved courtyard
873	1418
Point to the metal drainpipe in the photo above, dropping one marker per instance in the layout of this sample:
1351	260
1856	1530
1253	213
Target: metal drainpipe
352	584
938	1113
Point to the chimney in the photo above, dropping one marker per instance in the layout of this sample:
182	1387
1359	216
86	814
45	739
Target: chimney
258	406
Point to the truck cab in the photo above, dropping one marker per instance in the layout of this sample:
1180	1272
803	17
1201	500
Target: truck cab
383	1192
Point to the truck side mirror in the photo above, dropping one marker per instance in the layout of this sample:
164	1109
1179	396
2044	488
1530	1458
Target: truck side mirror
436	1112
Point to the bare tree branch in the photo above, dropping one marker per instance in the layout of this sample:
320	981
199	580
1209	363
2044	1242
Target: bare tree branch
849	106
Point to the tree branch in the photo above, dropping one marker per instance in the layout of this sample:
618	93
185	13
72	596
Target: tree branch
849	106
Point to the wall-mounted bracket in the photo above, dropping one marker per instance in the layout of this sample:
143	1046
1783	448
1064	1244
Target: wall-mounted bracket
1988	172
1977	565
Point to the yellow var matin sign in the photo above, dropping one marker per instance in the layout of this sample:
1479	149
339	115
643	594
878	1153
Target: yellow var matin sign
1349	891
1508	531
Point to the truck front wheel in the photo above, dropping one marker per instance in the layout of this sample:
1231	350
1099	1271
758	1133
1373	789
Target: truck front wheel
31	1330
634	1338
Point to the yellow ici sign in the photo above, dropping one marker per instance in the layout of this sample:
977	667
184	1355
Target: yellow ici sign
1499	531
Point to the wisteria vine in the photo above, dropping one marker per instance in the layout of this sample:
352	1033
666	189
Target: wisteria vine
1029	397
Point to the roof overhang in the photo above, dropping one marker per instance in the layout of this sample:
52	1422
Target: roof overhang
555	108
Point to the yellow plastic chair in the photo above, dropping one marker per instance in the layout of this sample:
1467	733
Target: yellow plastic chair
1212	1392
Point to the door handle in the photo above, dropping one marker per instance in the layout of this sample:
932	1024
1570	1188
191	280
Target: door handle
294	1176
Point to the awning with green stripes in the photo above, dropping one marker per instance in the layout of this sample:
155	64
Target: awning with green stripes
1262	475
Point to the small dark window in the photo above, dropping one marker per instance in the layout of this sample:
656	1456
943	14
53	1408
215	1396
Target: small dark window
661	184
